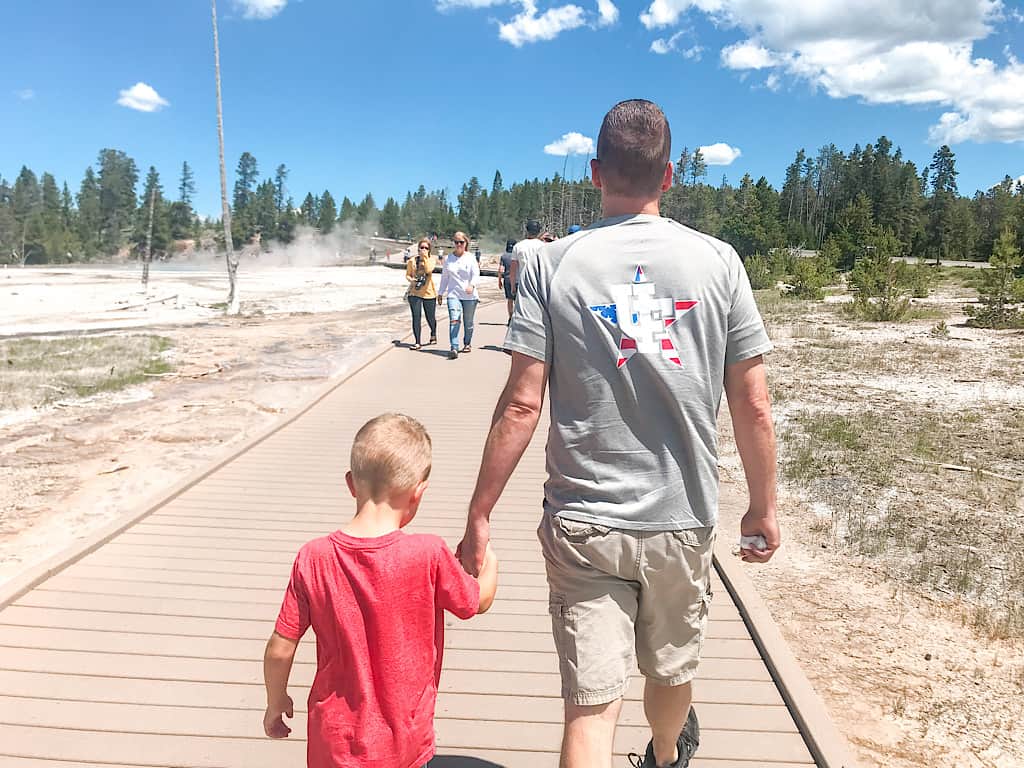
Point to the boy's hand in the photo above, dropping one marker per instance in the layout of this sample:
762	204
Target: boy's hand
273	723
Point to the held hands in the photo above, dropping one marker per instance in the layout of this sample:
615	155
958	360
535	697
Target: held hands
474	545
273	723
759	524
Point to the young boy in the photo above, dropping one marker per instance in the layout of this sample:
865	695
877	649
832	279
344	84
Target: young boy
375	597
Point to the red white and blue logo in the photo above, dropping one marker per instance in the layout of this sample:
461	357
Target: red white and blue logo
643	319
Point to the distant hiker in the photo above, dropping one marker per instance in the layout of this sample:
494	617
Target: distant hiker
419	272
505	276
459	282
526	249
376	598
636	329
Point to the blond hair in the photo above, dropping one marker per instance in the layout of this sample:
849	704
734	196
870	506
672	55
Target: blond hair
391	454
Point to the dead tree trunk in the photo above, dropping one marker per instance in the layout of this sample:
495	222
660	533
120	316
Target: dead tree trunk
149	241
231	257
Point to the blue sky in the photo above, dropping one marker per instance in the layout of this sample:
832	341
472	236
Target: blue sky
383	96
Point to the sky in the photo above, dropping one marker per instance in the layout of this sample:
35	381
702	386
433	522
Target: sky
383	96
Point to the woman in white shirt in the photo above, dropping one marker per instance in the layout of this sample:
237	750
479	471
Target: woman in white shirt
459	281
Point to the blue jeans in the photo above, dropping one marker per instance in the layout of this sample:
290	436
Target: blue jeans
459	312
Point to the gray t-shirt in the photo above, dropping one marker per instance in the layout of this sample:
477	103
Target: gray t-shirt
637	318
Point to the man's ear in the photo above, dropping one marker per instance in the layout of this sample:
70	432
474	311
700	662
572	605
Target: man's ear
351	483
666	179
595	172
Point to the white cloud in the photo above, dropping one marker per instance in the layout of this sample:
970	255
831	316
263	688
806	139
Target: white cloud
261	9
881	51
450	5
608	12
772	82
663	46
720	154
747	55
664	13
25	94
143	98
571	143
528	27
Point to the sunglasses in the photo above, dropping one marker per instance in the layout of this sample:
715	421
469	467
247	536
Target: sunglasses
459	242
424	247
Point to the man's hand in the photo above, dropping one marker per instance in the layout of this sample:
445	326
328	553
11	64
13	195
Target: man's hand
473	547
756	524
273	723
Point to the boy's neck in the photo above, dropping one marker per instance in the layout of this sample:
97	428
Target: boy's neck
374	518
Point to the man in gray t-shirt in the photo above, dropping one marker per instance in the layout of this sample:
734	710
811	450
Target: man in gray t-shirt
639	324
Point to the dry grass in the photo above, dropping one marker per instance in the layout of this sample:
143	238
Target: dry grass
34	372
948	532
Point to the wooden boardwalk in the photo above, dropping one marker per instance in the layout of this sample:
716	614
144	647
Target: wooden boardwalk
146	650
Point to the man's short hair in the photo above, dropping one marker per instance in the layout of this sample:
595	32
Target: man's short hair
634	147
533	227
391	454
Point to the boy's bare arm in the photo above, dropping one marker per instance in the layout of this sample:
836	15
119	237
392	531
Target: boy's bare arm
277	666
488	580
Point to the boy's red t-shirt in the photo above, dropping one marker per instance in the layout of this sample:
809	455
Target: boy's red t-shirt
376	606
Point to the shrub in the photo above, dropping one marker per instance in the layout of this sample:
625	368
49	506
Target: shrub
881	284
1000	291
760	272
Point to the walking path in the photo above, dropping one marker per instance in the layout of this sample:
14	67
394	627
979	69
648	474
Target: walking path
144	648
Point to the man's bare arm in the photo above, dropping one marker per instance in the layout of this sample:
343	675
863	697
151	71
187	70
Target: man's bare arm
746	388
515	420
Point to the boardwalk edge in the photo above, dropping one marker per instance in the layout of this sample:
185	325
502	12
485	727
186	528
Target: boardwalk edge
37	574
824	741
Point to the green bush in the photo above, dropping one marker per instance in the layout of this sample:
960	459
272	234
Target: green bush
1001	291
881	285
808	279
760	272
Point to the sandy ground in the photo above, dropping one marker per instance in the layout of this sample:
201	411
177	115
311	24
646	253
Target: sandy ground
905	675
72	466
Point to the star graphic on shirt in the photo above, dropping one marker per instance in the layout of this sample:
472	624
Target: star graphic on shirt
643	318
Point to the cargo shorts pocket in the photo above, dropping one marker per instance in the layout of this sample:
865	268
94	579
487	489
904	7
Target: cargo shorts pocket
578	532
563	631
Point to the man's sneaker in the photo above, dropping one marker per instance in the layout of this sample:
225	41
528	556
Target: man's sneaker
686	745
453	354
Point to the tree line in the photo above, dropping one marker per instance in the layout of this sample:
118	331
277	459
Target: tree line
834	198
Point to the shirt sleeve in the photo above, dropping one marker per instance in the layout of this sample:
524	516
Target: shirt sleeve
410	269
475	279
747	336
456	591
530	330
293	618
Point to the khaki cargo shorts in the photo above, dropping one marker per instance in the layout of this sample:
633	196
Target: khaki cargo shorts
615	594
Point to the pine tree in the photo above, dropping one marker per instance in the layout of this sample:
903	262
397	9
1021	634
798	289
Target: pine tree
390	218
280	178
698	168
187	185
942	173
308	210
328	213
152	192
1001	290
89	218
245	182
118	176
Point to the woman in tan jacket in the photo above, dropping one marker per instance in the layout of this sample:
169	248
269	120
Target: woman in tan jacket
422	294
